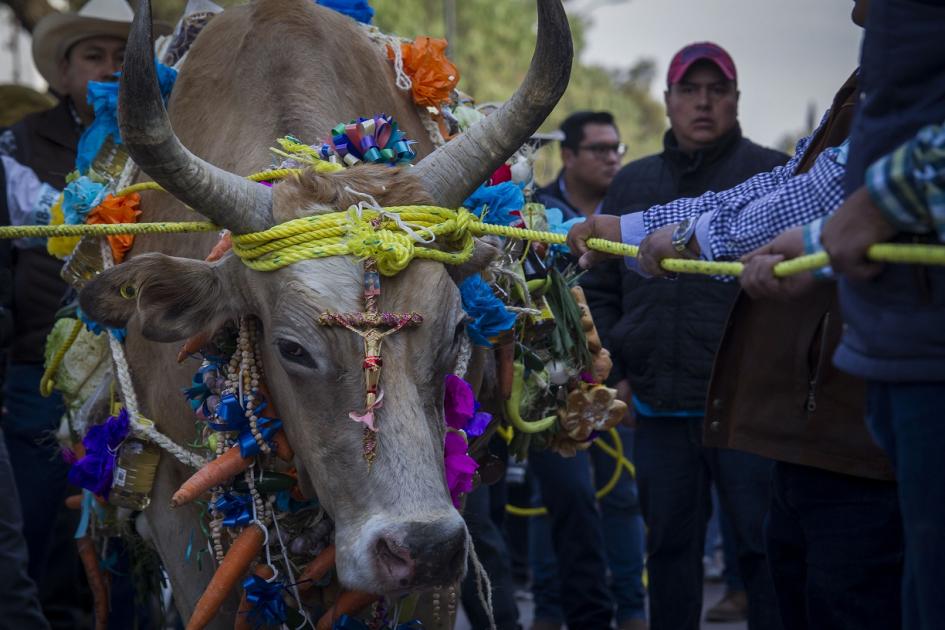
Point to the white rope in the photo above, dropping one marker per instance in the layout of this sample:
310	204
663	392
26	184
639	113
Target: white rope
385	41
140	425
483	585
461	367
433	130
521	310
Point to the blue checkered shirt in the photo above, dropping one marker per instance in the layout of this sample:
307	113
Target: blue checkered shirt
736	221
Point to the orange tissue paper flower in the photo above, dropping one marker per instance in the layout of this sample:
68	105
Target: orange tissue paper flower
433	75
117	210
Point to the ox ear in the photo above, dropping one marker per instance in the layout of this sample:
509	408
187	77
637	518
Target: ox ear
484	252
175	298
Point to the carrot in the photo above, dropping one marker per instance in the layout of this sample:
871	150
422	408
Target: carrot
192	345
74	502
224	245
214	473
93	572
242	615
317	568
237	559
347	603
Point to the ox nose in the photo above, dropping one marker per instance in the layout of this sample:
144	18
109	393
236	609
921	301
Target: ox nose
421	554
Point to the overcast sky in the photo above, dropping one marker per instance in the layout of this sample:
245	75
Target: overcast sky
788	53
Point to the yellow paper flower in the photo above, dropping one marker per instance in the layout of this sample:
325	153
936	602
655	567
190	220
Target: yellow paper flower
59	246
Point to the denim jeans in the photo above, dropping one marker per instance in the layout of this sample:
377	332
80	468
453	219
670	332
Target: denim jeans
673	473
624	534
29	424
908	422
576	532
835	549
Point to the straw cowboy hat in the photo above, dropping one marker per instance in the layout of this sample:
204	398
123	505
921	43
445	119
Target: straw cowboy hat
56	33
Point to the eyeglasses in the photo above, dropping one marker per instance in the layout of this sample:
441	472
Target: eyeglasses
601	151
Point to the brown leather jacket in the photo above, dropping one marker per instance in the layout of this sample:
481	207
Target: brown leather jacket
774	390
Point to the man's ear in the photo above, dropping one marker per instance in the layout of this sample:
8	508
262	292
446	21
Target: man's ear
484	252
174	298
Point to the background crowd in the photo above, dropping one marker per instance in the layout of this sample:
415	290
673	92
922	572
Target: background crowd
807	405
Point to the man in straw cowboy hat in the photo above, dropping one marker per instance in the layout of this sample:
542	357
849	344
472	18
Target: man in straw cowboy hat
69	49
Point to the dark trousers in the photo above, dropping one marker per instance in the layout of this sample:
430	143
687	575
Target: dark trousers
835	549
494	556
907	420
673	474
19	604
29	424
578	538
622	527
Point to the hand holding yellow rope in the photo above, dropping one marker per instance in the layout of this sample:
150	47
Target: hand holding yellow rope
404	233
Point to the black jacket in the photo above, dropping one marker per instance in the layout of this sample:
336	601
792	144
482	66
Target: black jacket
46	142
663	334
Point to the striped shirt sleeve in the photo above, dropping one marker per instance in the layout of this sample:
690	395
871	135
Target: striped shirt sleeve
909	184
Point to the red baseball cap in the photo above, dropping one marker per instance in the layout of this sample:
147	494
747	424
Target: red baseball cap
699	51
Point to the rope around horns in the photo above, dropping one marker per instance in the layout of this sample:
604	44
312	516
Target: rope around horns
396	235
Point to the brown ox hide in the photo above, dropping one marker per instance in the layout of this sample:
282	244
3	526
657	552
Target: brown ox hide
257	73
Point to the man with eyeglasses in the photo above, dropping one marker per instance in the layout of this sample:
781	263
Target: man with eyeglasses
662	335
581	541
591	152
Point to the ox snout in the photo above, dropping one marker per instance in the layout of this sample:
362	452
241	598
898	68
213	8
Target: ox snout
416	555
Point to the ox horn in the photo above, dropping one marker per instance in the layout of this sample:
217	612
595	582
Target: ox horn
225	198
453	171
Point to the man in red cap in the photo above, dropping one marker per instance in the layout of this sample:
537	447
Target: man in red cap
662	335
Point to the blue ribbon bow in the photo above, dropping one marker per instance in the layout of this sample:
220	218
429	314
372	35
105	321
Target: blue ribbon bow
267	427
346	622
265	598
237	509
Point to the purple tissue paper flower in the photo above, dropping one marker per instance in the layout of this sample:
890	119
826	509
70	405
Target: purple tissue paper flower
94	471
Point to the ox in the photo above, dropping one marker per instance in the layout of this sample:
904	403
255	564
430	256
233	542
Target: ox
256	73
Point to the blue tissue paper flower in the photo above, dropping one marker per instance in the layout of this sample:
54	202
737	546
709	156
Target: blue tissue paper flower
357	9
488	313
497	202
103	97
79	197
558	225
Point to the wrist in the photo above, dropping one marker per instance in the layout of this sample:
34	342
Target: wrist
682	238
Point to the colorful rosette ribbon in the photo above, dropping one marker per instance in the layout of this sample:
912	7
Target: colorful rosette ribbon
375	140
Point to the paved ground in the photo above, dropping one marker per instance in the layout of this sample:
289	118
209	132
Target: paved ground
711	594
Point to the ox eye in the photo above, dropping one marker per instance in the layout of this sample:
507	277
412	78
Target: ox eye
294	352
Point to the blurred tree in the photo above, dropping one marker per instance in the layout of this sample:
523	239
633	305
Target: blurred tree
493	46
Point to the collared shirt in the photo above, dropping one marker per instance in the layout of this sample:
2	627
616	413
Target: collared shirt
28	199
736	221
909	184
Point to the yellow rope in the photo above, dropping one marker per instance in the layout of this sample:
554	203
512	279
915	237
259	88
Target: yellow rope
620	464
399	234
48	381
104	229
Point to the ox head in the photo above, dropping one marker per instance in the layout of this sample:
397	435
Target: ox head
396	528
